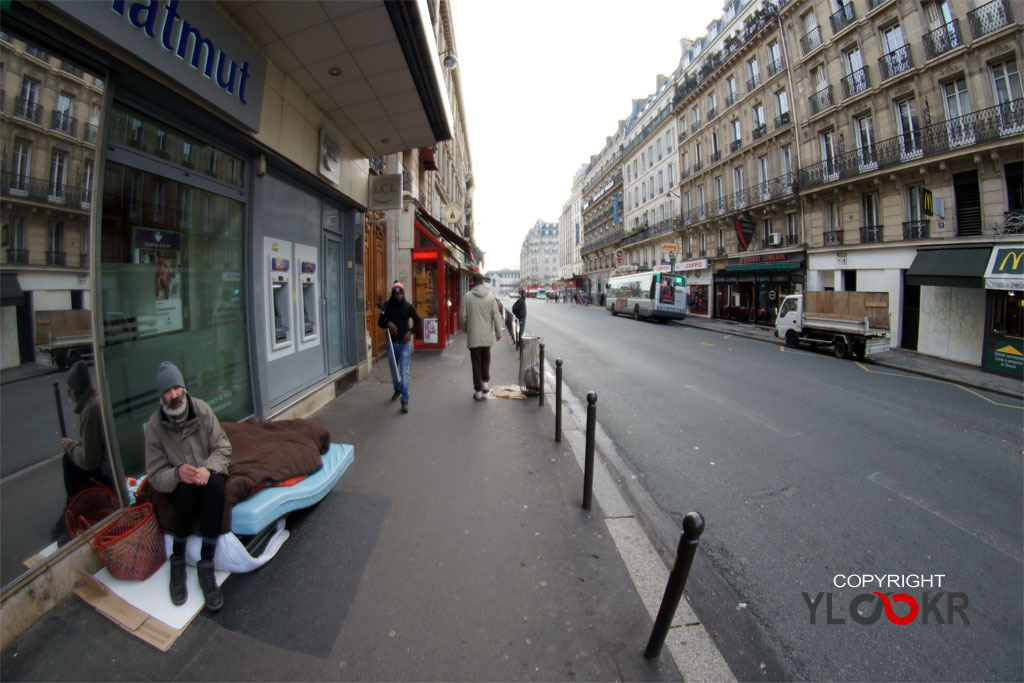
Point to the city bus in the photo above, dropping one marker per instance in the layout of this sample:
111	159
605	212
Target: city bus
651	296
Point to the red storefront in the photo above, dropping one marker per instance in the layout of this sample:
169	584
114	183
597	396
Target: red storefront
437	284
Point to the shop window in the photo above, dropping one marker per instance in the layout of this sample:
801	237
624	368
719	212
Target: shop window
1008	314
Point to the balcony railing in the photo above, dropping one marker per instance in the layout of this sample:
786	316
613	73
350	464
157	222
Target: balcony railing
833	238
716	155
843	18
753	82
775	67
28	109
821	100
64	123
782	119
942	40
871	233
695	126
811	40
915	230
735	145
698	166
609	239
17	255
872	4
722	251
989	18
684	174
56	258
1003	120
855	83
659	228
792	240
896	62
768	191
712	112
760	131
37	189
730	99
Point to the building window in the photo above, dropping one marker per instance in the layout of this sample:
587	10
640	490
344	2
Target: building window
908	130
833	217
55	244
58	174
865	131
1007	88
22	166
64	114
782	105
870	213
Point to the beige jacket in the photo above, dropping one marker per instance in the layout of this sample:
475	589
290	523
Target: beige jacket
200	443
479	317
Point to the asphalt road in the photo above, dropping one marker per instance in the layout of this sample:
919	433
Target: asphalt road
806	467
30	426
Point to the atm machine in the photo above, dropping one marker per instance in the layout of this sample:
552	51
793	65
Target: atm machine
307	312
281	332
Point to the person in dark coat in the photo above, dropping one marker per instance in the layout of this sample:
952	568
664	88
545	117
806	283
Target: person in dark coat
400	319
519	311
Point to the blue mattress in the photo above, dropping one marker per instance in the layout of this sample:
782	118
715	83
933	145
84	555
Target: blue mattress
266	506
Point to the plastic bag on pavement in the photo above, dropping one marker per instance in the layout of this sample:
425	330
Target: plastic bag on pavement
231	555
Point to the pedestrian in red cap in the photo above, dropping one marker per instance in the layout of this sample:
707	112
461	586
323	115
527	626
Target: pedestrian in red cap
400	319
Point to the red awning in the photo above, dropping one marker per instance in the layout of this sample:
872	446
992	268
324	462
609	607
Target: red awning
427	158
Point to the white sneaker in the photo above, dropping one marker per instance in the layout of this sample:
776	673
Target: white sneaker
478	396
486	387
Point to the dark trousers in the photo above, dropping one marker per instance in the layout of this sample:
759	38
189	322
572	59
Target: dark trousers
481	357
77	480
208	500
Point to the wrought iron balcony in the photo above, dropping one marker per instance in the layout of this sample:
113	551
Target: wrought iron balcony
735	145
716	155
64	123
37	189
896	62
843	18
605	241
821	100
28	109
753	82
722	251
811	40
775	67
942	39
871	233
1000	121
833	238
698	166
56	258
684	174
872	4
782	119
915	230
695	126
855	83
659	228
760	130
17	255
712	112
989	18
791	240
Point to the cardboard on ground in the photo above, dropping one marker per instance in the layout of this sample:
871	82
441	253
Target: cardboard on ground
144	608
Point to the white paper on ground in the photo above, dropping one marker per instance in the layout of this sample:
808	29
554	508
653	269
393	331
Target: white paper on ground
231	556
153	597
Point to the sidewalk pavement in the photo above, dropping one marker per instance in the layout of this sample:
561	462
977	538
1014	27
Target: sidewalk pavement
454	548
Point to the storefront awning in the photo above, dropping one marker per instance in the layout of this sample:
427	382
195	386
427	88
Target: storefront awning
752	267
10	290
950	267
1005	269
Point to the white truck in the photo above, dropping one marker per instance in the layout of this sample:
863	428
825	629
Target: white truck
852	323
64	336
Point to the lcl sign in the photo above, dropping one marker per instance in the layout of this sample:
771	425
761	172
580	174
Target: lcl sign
385	192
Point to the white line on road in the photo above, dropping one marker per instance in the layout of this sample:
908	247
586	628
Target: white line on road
982	535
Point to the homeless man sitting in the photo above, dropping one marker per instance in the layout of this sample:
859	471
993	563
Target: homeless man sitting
187	456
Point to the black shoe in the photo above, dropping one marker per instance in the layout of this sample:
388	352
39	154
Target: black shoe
397	395
179	592
208	582
405	406
58	530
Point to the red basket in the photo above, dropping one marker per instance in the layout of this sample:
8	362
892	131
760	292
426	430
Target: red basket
132	546
89	507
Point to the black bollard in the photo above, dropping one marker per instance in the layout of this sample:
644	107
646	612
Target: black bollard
588	459
558	400
541	374
693	527
60	408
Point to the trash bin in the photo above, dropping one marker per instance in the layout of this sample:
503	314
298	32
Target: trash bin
529	365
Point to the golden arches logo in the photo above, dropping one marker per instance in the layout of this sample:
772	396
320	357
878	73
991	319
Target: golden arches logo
1014	254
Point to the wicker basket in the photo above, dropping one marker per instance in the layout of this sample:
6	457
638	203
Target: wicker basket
88	508
132	546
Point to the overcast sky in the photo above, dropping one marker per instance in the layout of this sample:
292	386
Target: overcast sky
544	83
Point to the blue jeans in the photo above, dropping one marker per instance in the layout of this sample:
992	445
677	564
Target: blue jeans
403	353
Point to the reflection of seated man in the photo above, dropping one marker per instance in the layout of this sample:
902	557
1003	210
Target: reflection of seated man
187	456
85	461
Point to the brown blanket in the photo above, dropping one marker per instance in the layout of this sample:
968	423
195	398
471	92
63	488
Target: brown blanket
261	453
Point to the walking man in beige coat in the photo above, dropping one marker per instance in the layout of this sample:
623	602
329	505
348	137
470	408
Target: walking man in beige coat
482	323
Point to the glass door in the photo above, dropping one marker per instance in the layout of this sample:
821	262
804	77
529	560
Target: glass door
333	299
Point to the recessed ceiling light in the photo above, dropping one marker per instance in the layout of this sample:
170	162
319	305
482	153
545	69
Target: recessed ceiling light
385	140
334	71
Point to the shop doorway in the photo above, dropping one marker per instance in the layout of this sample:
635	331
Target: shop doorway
377	289
911	315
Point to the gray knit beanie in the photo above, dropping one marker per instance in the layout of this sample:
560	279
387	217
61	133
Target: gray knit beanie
168	375
79	380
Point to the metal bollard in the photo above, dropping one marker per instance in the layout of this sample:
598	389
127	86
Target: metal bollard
558	400
693	527
588	459
541	374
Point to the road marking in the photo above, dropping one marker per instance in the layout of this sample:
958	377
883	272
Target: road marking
983	536
726	336
706	344
940	381
31	468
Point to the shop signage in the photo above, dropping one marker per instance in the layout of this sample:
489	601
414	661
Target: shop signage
187	42
385	192
744	232
699	264
1005	269
620	256
157	239
1004	354
425	255
330	157
430	330
763	258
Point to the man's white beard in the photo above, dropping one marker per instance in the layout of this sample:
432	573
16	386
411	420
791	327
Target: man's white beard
175	413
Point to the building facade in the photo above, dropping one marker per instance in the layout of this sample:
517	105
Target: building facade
570	233
503	282
538	257
602	213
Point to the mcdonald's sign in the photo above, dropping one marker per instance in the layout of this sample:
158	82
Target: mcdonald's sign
1005	269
